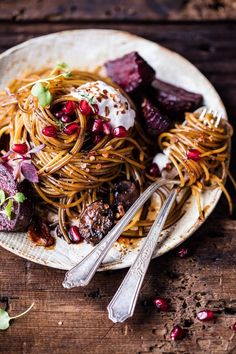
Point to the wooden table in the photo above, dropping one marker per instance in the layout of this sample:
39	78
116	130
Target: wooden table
75	321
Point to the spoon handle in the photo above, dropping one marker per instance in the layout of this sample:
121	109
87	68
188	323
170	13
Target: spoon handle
83	272
123	303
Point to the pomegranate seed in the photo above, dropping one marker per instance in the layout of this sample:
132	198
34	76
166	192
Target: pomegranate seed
119	132
97	126
161	304
95	108
50	131
183	252
154	170
74	234
205	315
177	333
66	119
69	108
234	327
97	138
20	148
59	114
72	129
106	128
193	154
85	107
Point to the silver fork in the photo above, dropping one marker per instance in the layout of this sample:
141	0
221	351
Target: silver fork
124	301
83	272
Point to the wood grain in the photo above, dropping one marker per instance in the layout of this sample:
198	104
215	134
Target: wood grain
117	10
75	321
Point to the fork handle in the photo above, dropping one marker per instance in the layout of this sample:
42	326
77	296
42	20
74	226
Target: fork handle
123	303
83	272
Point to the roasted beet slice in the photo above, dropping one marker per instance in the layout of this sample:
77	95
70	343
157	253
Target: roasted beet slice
126	192
95	221
175	100
21	213
130	72
155	121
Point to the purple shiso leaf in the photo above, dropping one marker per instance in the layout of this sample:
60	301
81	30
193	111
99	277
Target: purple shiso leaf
29	171
36	149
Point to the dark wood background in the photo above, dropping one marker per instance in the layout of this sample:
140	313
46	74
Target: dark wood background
75	321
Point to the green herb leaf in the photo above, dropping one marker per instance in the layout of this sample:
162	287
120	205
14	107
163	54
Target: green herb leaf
62	66
45	98
4	319
2	196
19	197
37	89
8	209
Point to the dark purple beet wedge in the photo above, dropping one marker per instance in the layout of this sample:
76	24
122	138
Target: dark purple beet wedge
130	72
175	100
14	215
154	121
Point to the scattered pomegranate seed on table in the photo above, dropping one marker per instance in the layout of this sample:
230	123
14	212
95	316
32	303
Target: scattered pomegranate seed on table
205	315
85	107
20	148
193	154
161	304
50	131
154	170
183	252
74	234
234	327
177	333
69	108
119	132
71	129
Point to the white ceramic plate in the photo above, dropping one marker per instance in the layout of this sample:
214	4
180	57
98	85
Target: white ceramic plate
86	49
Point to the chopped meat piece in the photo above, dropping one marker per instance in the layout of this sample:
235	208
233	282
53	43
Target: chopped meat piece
175	100
155	121
95	221
130	72
126	192
21	213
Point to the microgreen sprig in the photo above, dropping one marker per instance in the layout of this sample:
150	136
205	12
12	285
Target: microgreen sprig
42	93
5	318
65	69
19	197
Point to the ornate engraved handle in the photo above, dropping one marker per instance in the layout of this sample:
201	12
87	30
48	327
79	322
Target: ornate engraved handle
123	303
83	272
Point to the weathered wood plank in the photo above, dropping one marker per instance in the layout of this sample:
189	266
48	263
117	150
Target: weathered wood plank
117	10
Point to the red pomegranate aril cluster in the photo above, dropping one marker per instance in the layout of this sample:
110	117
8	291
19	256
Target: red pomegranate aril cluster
161	304
183	252
74	234
193	154
177	333
71	129
69	108
66	119
50	131
154	170
205	315
20	148
85	107
119	132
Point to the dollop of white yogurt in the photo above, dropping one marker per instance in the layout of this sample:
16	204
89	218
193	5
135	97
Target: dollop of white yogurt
111	103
